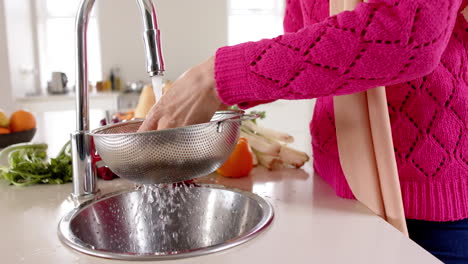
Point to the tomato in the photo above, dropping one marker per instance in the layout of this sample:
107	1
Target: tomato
240	163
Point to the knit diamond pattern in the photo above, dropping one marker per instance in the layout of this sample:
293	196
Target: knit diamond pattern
416	48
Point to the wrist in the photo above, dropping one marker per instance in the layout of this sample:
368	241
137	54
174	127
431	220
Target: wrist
206	71
206	77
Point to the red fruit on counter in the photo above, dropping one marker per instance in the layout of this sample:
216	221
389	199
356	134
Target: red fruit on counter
115	120
103	122
101	169
105	173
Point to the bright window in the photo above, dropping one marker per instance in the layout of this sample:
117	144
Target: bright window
251	20
56	34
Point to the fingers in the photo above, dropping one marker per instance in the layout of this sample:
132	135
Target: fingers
158	119
166	123
148	126
192	99
151	121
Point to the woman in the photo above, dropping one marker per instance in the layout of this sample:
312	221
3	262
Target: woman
416	48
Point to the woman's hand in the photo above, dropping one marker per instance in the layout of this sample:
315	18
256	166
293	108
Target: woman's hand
192	99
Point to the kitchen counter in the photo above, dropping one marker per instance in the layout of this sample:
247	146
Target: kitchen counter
64	102
311	224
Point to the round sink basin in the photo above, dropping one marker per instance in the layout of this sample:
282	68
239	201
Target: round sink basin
134	226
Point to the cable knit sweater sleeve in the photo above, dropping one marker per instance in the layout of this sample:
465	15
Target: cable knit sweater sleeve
379	43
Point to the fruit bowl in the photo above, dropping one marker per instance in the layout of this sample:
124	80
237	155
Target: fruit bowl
16	137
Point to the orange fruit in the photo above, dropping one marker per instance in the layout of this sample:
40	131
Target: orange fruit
125	115
4	130
21	121
4	121
240	163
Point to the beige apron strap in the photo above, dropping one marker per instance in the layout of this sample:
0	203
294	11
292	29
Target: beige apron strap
366	148
465	13
336	6
385	158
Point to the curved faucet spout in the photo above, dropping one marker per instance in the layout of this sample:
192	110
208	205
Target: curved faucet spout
84	179
152	38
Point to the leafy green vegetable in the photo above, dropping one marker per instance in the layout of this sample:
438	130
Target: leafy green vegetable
261	114
28	164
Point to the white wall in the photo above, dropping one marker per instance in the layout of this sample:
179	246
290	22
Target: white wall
6	98
191	32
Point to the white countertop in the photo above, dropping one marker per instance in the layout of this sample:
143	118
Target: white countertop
64	102
311	224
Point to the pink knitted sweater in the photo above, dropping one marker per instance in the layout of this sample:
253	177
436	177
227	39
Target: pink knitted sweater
416	48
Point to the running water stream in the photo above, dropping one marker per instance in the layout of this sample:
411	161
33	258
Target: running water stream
160	206
158	84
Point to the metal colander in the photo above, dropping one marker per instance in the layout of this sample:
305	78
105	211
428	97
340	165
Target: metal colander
171	155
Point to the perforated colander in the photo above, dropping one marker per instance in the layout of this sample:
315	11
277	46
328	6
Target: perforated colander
171	155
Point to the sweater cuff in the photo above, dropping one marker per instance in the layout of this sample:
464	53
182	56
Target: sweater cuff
232	76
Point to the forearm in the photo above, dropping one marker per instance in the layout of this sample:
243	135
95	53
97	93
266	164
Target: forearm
379	43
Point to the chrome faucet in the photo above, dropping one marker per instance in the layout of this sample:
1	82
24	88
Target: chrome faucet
84	178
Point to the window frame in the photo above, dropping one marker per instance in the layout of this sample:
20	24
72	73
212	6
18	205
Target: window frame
276	10
41	16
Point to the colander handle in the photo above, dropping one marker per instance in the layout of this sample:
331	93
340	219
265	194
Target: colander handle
242	118
249	117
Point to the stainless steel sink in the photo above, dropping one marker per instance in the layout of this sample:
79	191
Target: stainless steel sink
129	225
